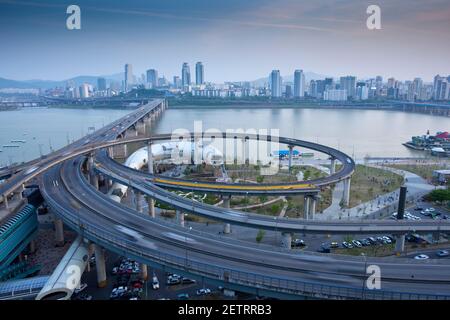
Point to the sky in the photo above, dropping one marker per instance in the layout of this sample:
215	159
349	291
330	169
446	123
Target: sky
235	39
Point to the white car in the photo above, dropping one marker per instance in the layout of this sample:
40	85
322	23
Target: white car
155	283
203	292
421	257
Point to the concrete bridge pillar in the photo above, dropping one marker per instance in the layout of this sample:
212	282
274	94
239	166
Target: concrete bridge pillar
93	178
149	158
399	244
226	204
138	199
291	151
59	232
435	236
306	201
286	240
151	207
333	166
5	201
346	196
313	204
143	271
180	217
100	266
32	246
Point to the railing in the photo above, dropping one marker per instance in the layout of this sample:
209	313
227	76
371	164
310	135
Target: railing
233	276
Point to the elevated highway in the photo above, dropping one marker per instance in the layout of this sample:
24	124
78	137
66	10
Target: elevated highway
259	269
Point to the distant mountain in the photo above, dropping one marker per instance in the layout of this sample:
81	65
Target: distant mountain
47	84
290	78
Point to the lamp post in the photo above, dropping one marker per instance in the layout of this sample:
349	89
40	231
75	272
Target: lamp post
185	241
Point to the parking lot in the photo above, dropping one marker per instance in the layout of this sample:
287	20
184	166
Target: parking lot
124	273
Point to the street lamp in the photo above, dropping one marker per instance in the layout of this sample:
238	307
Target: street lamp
185	241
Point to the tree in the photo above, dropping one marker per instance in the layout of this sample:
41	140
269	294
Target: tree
439	195
260	235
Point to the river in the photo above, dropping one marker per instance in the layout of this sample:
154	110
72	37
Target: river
356	132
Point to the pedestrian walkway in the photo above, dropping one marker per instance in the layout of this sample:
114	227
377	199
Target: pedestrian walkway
381	205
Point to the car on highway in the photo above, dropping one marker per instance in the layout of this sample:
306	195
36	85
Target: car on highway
442	253
421	257
298	243
203	292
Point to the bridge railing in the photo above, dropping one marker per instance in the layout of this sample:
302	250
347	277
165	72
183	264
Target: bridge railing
233	276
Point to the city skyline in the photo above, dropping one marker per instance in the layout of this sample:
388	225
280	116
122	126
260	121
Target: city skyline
317	34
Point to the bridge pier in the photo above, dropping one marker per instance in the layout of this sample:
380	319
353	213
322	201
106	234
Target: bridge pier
291	151
93	178
226	204
5	201
138	199
150	201
100	266
306	202
143	271
286	240
180	217
333	166
59	232
313	207
346	195
399	244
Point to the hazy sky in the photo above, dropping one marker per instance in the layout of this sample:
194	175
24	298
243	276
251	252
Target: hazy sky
235	39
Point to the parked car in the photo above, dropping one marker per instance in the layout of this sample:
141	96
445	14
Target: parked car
334	245
183	296
442	253
155	282
372	240
187	281
347	245
173	281
421	257
203	292
356	243
83	296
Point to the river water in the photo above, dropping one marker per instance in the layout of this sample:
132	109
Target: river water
356	132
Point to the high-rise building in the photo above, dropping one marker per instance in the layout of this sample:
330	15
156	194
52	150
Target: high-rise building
362	91
312	92
128	77
176	82
288	92
299	84
199	73
101	84
391	83
441	88
185	75
335	95
84	90
152	78
348	83
275	83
